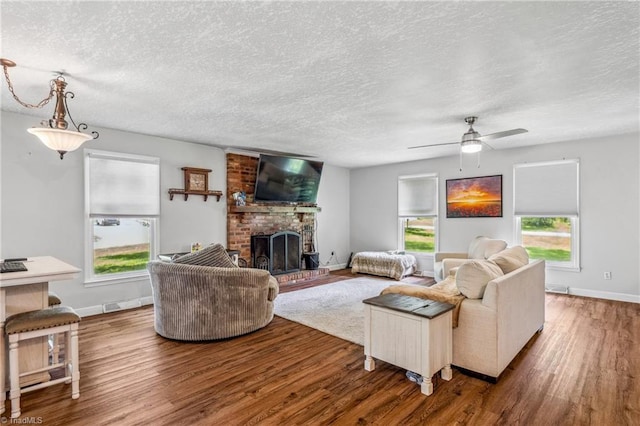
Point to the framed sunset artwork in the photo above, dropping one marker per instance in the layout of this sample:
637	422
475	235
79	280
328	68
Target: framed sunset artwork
474	197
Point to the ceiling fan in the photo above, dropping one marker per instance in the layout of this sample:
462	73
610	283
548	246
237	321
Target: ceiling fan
472	141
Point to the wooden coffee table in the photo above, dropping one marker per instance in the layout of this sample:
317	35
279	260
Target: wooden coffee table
410	333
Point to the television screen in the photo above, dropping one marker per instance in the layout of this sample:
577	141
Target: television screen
287	179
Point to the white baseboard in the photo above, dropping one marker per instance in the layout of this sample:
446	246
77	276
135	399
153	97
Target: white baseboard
336	266
124	304
621	297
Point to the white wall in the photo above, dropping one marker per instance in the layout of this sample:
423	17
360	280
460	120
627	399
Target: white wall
610	189
333	220
42	203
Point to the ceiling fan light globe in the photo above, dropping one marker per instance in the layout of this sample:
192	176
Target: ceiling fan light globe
471	146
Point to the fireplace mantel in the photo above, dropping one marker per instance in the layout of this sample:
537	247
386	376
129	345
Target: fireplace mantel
274	209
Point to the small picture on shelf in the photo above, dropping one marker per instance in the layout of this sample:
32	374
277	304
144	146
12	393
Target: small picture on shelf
240	197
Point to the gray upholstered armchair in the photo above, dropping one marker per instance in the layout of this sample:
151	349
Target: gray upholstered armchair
195	302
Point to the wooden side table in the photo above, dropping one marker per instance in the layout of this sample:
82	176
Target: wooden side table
410	333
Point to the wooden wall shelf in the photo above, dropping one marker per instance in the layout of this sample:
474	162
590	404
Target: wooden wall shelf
186	193
274	209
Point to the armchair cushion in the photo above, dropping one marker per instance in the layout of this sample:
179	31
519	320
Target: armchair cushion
479	248
484	247
213	255
472	277
511	259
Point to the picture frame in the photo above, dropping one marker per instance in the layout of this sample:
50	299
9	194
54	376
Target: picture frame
474	197
196	179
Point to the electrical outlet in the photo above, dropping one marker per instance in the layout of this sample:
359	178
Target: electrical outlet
607	275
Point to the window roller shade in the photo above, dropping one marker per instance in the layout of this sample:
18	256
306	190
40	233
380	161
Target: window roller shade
121	187
544	189
417	196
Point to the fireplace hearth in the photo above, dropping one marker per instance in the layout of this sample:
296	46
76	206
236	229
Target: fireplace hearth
279	253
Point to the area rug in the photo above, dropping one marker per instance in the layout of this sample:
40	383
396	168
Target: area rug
335	309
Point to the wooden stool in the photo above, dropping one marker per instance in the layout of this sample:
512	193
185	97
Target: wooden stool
33	324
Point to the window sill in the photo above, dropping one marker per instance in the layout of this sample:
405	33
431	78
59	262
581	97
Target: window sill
120	279
563	268
420	253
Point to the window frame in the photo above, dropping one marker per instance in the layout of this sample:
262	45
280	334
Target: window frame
572	265
90	278
401	240
435	217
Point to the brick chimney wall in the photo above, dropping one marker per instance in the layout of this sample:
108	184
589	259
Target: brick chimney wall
241	176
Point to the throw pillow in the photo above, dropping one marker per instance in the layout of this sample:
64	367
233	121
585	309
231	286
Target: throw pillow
213	255
472	277
492	247
511	259
483	247
476	248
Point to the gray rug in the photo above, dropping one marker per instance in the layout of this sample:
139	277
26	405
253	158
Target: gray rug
335	308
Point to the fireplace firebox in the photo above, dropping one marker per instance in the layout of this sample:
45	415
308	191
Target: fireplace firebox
278	253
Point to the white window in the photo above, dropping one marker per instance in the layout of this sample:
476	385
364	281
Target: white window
418	213
547	211
122	205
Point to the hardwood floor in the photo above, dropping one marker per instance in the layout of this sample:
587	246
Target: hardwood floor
584	368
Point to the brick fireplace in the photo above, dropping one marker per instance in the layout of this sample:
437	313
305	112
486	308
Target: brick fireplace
261	219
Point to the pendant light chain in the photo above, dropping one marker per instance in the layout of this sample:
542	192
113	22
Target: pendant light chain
24	104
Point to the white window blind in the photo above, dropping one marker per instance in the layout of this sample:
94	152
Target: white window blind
550	188
122	184
417	196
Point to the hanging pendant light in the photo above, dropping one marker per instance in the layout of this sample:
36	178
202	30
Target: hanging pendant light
55	133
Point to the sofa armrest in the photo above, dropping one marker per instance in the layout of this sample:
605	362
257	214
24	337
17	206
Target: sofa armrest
440	256
451	263
274	289
519	301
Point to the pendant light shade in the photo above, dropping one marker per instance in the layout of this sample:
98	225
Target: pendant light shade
59	140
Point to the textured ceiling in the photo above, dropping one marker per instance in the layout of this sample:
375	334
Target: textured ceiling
352	83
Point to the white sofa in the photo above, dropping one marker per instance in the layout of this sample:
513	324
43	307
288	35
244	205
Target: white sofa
499	306
494	328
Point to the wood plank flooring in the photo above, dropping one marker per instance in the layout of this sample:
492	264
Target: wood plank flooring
583	369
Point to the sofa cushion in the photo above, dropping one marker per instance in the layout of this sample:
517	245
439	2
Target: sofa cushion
511	259
483	247
472	277
213	255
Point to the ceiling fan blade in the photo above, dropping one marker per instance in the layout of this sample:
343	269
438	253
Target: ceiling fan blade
488	146
435	144
502	134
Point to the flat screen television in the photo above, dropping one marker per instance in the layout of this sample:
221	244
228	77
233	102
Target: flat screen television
287	179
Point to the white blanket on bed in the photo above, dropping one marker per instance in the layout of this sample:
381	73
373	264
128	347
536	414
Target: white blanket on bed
382	263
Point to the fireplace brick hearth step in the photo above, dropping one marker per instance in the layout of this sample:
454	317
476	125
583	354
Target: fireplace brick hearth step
301	276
